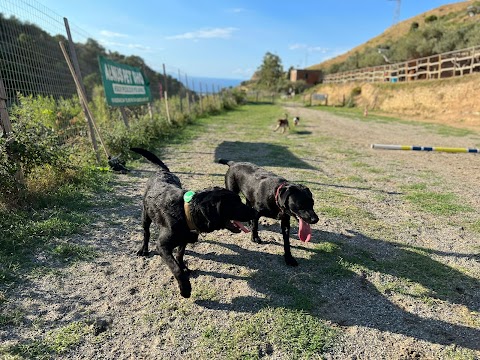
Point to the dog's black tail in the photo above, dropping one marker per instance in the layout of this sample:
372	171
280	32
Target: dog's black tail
225	162
151	157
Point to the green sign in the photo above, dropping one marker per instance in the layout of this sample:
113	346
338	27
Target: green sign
124	85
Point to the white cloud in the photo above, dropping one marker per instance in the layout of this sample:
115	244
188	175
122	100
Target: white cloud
215	33
311	49
318	49
297	46
123	45
236	10
111	34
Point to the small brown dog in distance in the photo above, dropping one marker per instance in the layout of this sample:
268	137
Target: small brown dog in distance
282	123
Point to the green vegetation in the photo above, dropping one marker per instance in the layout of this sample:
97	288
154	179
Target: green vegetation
49	147
271	77
434	202
31	36
55	342
435	35
52	215
292	333
357	114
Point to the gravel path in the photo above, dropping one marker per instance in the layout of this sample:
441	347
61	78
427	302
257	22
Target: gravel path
382	312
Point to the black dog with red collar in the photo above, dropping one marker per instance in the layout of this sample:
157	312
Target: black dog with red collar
274	197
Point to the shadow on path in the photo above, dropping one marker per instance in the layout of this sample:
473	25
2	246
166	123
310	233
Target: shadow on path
326	286
261	154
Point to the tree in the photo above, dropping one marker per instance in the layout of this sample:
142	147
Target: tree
270	73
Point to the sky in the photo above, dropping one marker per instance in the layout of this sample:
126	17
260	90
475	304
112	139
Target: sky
228	38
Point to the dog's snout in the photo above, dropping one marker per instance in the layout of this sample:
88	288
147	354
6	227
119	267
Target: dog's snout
314	218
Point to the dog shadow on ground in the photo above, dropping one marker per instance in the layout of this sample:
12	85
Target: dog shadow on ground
265	154
302	132
326	286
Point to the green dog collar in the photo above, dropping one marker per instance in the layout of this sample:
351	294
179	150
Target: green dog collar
187	197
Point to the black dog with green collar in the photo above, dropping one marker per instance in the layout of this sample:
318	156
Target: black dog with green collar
181	215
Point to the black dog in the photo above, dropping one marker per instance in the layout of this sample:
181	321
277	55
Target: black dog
274	197
182	215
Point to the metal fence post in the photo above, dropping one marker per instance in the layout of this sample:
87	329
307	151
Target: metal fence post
124	116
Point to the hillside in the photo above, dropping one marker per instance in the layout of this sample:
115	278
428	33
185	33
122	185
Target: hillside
447	101
20	42
453	15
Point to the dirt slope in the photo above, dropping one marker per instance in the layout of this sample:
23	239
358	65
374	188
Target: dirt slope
452	102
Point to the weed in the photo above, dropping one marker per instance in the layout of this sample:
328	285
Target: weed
438	204
279	331
74	252
55	342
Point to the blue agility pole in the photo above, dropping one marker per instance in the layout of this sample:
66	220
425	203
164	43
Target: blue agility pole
425	148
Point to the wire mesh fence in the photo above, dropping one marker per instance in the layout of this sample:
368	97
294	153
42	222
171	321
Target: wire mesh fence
32	66
31	63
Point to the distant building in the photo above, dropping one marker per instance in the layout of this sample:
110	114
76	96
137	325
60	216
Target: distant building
311	77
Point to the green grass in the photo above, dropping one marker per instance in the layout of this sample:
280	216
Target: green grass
292	333
437	203
357	114
53	216
475	226
55	342
73	252
14	317
434	202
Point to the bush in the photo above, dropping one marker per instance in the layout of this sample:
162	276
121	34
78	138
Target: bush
356	91
38	147
31	144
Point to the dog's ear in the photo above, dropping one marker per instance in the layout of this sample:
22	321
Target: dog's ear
305	190
295	192
283	196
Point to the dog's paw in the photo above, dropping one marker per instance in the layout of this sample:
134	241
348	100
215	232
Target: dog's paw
257	240
185	289
290	261
142	252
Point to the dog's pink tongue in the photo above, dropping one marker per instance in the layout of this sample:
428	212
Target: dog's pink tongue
241	226
304	230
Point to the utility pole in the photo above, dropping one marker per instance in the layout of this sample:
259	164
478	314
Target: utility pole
396	14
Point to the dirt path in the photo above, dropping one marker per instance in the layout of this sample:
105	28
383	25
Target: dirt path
384	307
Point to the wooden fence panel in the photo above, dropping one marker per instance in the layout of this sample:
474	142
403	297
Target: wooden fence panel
455	63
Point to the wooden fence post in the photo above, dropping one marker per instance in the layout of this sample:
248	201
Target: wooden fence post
188	95
201	98
7	126
4	119
180	94
166	95
76	67
81	92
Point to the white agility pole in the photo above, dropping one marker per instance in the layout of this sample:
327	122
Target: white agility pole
425	148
